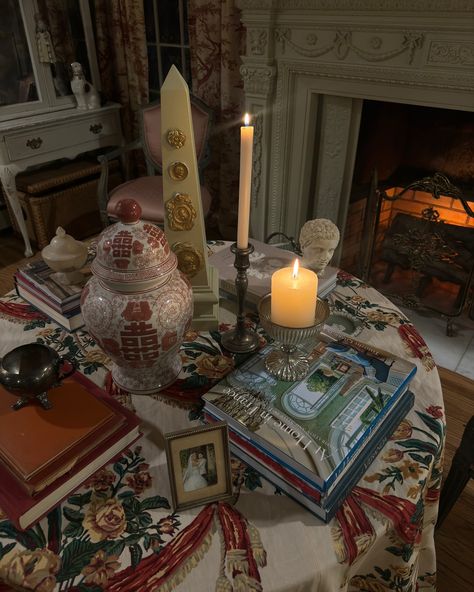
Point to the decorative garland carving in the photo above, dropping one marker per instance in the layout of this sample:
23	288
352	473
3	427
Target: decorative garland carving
423	6
451	53
178	171
258	79
190	259
342	45
449	81
176	138
180	212
258	39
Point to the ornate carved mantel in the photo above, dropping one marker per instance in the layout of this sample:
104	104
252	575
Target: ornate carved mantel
309	64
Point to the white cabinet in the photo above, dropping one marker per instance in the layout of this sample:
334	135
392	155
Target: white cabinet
38	41
39	121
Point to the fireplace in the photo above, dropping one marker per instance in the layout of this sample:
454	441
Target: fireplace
410	229
309	67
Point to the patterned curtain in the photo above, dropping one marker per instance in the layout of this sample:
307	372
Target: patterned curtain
216	39
122	57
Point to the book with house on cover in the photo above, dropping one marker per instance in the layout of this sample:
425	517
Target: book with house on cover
323	506
70	320
38	445
60	307
24	509
316	425
309	501
41	278
264	261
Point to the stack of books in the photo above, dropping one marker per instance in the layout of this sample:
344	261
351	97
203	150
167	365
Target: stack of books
35	283
316	438
264	261
47	454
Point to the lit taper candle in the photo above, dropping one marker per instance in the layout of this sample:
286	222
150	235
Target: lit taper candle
246	148
294	292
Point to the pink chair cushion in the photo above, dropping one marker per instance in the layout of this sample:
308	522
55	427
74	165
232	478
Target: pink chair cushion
148	192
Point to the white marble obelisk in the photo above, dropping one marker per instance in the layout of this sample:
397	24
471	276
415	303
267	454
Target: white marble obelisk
184	220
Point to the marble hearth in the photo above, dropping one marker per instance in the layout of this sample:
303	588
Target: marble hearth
308	67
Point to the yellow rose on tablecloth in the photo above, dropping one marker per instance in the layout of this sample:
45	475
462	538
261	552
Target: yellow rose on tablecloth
31	570
375	315
214	366
100	568
410	469
403	571
95	356
403	431
104	519
46	332
414	491
392	455
368	584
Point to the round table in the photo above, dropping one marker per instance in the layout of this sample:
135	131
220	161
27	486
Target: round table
381	538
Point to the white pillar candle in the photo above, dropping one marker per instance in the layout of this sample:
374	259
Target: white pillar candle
246	148
294	292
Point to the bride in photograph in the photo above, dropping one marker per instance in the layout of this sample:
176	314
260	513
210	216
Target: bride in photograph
193	475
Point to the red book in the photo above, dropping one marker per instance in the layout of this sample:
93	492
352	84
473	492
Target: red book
38	444
23	509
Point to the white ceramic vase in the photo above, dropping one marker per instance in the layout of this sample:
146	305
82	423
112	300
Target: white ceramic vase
138	305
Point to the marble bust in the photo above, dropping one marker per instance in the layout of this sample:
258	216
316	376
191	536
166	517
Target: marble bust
318	241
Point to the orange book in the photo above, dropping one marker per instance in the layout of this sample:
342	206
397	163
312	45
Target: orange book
39	445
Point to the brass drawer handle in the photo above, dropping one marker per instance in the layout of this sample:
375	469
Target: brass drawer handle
96	128
34	143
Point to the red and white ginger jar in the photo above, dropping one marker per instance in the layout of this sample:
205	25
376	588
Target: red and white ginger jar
137	305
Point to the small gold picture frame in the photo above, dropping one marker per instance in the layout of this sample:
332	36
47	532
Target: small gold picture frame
199	465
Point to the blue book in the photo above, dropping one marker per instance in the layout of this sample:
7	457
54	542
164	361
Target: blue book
323	507
314	427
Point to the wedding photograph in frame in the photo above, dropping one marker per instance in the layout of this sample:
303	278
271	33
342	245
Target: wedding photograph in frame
199	465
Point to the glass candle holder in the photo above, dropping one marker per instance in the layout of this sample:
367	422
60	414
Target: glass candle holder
287	362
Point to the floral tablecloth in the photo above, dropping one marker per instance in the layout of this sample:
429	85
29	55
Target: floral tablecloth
118	532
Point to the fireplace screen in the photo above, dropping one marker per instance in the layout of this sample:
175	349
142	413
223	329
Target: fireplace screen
419	247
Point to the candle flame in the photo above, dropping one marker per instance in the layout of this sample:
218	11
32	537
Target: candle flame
247	119
296	266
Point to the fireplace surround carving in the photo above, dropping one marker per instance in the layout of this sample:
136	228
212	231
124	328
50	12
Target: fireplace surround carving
308	66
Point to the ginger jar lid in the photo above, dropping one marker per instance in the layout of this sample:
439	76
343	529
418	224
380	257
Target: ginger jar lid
132	250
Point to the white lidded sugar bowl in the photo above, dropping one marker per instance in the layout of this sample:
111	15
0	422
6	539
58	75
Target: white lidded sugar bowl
66	256
137	305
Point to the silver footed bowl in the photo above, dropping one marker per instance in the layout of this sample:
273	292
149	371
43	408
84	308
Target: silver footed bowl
287	362
30	370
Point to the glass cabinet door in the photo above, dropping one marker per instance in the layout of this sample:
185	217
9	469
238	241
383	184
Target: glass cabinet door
61	40
39	39
18	83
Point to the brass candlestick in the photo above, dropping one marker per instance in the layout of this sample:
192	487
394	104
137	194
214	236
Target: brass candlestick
241	340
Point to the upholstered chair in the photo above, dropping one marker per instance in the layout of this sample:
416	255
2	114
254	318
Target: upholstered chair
148	190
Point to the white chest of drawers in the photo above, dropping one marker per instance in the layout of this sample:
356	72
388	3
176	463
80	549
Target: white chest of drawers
43	138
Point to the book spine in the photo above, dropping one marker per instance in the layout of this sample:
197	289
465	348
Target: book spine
280	484
31	291
69	323
41	284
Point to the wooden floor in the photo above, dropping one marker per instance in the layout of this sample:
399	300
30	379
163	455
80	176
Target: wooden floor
454	540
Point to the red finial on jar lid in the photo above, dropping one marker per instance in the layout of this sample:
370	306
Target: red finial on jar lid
128	211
